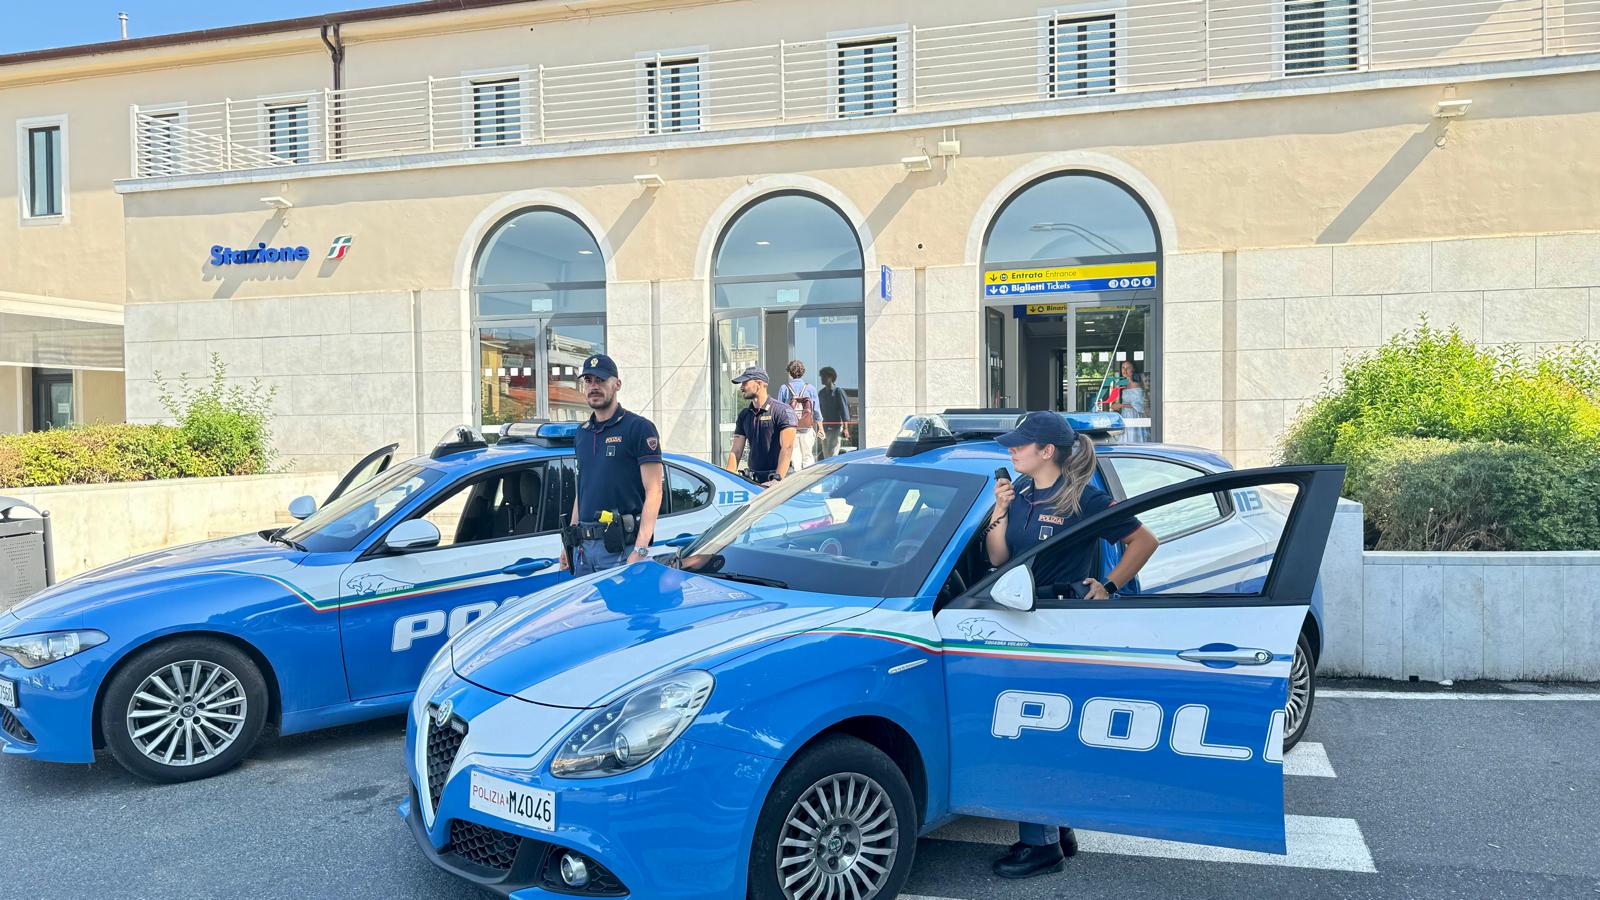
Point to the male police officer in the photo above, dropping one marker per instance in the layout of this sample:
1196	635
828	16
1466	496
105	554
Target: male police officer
767	425
619	477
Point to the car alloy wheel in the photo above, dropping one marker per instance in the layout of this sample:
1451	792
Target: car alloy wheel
1302	693
840	839
187	713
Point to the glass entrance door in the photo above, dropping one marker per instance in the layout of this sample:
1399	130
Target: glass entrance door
529	369
825	337
52	399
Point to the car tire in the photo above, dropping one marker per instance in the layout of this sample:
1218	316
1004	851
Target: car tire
1302	692
184	710
872	792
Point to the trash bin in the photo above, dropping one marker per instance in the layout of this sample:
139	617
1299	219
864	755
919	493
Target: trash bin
27	561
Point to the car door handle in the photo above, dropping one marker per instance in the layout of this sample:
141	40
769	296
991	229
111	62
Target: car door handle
528	566
1224	655
682	540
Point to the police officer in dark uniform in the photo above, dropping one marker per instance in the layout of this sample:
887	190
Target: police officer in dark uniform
619	478
766	426
1054	493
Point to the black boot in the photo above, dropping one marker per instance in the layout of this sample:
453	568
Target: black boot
1069	843
1028	860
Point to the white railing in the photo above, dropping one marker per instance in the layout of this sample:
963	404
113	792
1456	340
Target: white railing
1145	45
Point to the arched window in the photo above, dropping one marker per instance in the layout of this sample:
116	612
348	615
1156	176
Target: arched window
539	300
1071	289
787	281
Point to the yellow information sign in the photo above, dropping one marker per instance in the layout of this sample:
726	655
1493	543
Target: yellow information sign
1046	309
1072	273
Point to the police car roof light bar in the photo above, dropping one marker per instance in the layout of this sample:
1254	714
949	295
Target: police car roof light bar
541	433
458	439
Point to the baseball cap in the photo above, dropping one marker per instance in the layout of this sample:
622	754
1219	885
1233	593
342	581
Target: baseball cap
1039	428
600	366
754	373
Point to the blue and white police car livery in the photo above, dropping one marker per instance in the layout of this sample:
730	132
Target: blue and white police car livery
176	660
783	708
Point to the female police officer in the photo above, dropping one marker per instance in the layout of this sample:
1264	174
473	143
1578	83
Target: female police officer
1052	495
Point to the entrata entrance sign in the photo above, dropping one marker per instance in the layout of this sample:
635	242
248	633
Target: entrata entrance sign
260	253
1070	279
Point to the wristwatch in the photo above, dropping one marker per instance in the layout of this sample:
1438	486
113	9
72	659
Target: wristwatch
1110	586
641	551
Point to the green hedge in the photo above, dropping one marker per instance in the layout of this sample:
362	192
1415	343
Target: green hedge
221	430
1451	446
1431	494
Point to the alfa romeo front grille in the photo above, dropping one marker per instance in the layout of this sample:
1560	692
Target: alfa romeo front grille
444	741
13	726
482	845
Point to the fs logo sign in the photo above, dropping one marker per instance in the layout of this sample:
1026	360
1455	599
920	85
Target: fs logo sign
341	246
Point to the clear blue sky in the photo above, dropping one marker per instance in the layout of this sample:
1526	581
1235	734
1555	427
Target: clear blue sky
38	24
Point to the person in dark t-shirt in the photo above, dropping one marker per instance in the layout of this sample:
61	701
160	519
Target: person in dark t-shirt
1054	494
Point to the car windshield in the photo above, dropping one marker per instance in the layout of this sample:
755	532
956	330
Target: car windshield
346	521
866	530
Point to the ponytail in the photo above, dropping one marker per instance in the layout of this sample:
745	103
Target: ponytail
1077	467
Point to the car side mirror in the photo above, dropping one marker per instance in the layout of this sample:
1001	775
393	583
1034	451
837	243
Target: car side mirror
302	507
1014	589
416	534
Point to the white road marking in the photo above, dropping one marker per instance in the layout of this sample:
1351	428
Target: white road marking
1314	842
1419	695
1308	759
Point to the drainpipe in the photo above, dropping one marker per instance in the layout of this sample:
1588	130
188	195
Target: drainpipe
335	127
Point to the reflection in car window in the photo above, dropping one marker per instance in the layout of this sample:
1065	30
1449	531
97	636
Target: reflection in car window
346	521
856	529
1141	475
684	492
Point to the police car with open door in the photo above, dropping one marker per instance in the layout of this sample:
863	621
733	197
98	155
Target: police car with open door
1207	542
176	660
831	672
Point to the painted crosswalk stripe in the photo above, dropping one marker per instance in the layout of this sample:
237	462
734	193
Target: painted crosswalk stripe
1309	760
1314	842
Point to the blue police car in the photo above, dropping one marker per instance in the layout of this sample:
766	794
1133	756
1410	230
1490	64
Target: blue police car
834	670
175	661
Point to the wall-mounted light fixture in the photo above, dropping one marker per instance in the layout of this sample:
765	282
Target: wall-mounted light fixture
917	163
650	181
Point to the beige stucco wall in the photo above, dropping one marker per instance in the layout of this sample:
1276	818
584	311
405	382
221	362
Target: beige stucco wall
100	396
1281	172
166	513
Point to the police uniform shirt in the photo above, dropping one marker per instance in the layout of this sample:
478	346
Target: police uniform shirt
760	428
609	456
1031	519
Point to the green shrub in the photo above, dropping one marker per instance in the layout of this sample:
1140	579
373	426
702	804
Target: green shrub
221	430
1450	446
1432	494
225	425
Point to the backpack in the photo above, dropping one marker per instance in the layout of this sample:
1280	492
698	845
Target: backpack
802	405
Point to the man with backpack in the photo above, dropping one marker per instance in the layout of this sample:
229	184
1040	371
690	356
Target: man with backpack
802	398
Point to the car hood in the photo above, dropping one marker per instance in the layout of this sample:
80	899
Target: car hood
582	644
130	577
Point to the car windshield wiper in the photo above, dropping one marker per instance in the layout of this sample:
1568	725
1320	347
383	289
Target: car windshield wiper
746	579
277	538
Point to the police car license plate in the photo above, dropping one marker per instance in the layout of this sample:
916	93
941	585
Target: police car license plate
8	693
514	802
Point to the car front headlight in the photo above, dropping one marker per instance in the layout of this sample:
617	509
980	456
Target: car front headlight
634	730
35	650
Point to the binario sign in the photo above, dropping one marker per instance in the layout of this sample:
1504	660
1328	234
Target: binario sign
260	253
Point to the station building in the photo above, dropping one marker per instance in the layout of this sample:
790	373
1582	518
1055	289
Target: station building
415	216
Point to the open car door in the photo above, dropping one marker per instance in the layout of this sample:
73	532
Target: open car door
370	466
1156	713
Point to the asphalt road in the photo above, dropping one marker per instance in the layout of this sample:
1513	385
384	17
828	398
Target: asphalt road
1404	798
